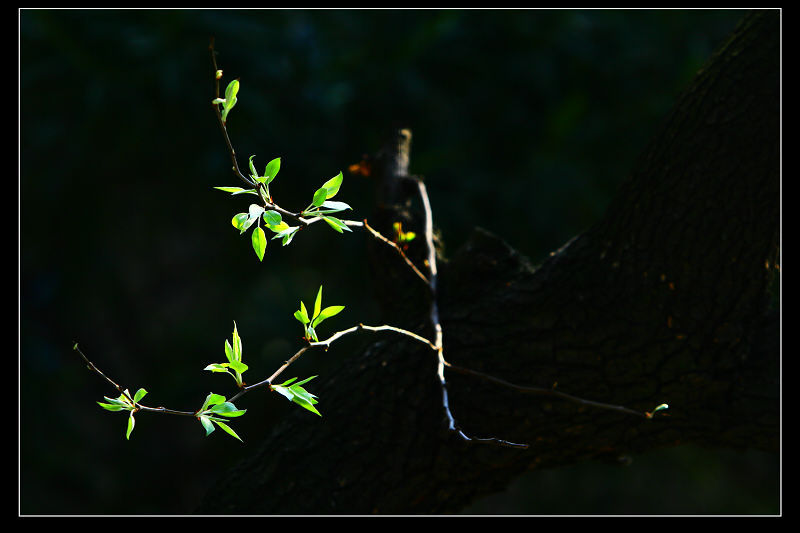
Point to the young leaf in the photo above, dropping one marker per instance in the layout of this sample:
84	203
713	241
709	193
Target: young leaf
253	168
230	98
217	367
228	430
319	197
272	218
302	315
236	190
335	206
111	407
336	224
332	185
317	303
239	367
272	169
206	424
139	395
242	222
327	313
237	344
259	240
212	399
227	409
131	423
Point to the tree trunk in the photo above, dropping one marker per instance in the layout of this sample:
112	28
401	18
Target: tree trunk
665	300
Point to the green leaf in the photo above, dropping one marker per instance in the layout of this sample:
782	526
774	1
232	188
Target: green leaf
301	382
212	399
237	344
319	197
242	222
273	218
230	98
139	395
222	408
317	303
272	169
131	423
332	185
207	424
229	351
336	224
259	240
232	89
334	207
302	315
239	366
237	190
253	172
255	211
111	407
287	235
327	313
228	430
218	367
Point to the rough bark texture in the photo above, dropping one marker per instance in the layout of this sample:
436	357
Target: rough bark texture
666	299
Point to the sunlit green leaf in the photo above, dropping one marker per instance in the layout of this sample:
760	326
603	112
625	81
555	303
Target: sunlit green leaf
212	399
336	224
239	366
131	423
242	222
317	303
217	367
333	207
302	315
139	395
252	167
206	424
272	218
332	185
111	407
319	197
259	241
272	169
236	190
237	344
327	313
228	430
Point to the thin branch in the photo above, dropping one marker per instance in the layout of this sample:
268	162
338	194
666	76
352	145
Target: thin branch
139	406
437	326
399	251
544	391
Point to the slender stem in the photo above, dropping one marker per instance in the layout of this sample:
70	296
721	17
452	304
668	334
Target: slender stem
399	251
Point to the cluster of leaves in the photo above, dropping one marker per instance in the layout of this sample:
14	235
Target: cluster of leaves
321	204
215	407
296	393
233	352
310	323
125	403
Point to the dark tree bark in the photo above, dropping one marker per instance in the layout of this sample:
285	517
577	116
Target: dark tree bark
666	299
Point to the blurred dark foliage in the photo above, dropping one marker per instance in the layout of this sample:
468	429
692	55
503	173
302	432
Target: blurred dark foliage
524	123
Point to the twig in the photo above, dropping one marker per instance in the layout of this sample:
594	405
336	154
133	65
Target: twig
399	251
437	326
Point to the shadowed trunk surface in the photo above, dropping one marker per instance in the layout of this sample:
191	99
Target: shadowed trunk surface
665	300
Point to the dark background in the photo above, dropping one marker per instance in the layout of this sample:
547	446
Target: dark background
524	123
